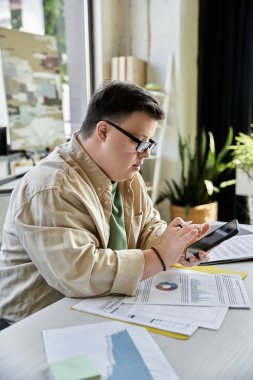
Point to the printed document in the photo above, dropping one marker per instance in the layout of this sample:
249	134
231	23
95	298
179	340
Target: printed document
206	317
238	248
113	348
186	287
113	307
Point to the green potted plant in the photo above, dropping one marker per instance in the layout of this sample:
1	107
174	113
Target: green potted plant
242	153
193	197
242	160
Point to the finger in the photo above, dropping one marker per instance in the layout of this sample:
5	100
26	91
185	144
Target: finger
195	226
205	227
194	260
203	256
204	230
187	237
199	258
176	222
187	228
185	262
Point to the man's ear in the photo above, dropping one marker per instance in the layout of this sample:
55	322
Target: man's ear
102	129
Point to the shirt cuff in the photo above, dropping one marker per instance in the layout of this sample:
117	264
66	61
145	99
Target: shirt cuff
130	271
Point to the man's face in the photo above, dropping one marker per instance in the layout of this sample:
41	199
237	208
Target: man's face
121	159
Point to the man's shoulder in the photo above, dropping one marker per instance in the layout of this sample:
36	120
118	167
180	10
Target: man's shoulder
49	174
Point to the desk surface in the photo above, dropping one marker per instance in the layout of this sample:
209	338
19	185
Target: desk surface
207	355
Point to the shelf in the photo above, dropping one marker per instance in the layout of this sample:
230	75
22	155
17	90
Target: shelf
158	94
152	166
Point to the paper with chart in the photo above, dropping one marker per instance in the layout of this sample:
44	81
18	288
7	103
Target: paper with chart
237	248
115	349
113	307
183	287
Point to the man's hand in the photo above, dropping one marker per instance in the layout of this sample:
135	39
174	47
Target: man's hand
176	239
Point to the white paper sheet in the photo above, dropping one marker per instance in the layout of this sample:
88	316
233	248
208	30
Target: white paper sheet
113	307
186	287
92	340
206	317
239	247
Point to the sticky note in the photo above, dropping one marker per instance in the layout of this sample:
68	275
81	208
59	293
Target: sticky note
76	368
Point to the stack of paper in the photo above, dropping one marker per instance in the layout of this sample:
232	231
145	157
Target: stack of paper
175	302
110	351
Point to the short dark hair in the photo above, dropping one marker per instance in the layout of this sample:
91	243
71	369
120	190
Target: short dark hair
115	100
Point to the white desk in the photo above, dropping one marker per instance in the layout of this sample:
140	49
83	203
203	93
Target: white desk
207	355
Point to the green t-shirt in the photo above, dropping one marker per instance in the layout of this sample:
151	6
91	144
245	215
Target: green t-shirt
117	239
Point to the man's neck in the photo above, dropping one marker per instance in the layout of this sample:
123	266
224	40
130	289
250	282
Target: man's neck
92	148
88	145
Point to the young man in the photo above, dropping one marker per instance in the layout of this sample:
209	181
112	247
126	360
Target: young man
81	223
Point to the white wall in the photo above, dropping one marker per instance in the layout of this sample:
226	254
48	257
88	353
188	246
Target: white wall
164	33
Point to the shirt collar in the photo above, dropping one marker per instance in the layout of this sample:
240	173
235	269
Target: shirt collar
98	178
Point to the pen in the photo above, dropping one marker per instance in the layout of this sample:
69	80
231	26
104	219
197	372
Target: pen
185	223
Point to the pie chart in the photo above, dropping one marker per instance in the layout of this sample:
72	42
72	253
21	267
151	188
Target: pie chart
166	286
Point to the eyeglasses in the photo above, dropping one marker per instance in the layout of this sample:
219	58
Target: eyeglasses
142	146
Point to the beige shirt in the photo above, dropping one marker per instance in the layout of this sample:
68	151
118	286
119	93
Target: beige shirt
57	229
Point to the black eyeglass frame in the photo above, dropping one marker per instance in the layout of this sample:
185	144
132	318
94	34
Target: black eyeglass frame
142	146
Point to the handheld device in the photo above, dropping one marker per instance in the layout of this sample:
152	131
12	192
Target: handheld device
226	231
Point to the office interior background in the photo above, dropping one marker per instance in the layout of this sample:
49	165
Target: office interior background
198	52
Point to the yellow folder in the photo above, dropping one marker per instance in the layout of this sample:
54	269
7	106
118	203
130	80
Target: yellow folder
212	269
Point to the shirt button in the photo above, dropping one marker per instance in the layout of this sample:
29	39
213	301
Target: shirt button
99	188
105	202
